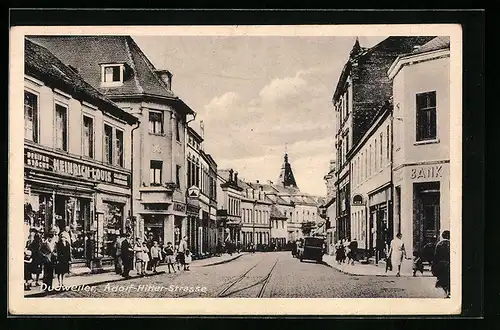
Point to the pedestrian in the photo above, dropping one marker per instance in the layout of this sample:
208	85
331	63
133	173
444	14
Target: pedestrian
187	259
418	265
47	250
34	246
28	260
169	257
397	252
63	251
181	250
441	263
155	256
145	258
340	253
89	250
127	256
117	251
353	250
138	256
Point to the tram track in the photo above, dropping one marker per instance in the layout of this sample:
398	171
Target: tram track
263	282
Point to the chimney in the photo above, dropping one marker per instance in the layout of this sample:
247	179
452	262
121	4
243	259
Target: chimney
257	181
236	177
231	175
166	77
269	182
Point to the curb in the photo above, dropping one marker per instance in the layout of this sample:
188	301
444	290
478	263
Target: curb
375	275
223	261
50	293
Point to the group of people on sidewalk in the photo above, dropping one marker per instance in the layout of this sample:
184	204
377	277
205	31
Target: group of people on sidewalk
146	256
45	256
346	253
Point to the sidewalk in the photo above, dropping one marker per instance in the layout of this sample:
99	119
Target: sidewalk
88	279
373	269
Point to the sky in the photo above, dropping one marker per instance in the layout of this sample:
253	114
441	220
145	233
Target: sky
259	96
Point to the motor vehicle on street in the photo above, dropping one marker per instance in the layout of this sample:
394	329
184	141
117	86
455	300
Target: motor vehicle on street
312	249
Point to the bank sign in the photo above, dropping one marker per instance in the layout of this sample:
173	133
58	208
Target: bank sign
75	168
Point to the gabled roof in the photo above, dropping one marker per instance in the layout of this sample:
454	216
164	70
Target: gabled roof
392	46
40	63
437	43
277	214
87	53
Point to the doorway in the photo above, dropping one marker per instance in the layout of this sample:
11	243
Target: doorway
426	215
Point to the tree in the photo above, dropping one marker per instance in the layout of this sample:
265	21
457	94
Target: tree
307	227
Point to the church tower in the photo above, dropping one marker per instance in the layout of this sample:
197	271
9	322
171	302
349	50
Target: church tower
286	178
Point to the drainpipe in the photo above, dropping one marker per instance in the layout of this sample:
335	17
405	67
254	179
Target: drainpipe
135	229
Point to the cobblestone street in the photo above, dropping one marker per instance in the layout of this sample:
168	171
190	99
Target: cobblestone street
267	275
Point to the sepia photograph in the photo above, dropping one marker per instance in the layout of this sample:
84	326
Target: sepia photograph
278	163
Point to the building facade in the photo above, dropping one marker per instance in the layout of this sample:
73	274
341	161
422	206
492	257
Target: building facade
77	151
371	182
116	66
421	144
229	194
363	87
331	207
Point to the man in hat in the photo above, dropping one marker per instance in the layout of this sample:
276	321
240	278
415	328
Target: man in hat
127	255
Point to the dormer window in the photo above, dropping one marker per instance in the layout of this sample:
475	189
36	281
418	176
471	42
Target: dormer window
112	74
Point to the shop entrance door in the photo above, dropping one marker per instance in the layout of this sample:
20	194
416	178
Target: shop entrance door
427	216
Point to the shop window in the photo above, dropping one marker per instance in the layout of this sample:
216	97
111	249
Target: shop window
30	116
155	122
426	116
61	127
108	144
155	171
119	148
113	220
88	137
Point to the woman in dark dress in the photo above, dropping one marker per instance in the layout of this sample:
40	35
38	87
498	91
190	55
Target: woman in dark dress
63	249
441	263
36	263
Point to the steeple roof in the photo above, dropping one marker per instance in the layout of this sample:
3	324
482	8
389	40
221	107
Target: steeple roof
286	177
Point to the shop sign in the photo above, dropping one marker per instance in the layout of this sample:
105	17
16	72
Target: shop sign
74	168
427	172
179	207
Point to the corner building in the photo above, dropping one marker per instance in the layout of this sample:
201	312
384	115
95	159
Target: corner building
421	144
117	67
77	151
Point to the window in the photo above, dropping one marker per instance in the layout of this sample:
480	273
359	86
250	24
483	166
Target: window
88	137
178	176
388	144
369	161
119	148
61	127
112	74
375	156
30	116
177	130
381	149
155	172
347	142
155	122
426	116
108	144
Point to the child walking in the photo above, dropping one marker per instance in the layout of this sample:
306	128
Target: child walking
155	255
145	258
418	265
27	269
187	259
169	257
